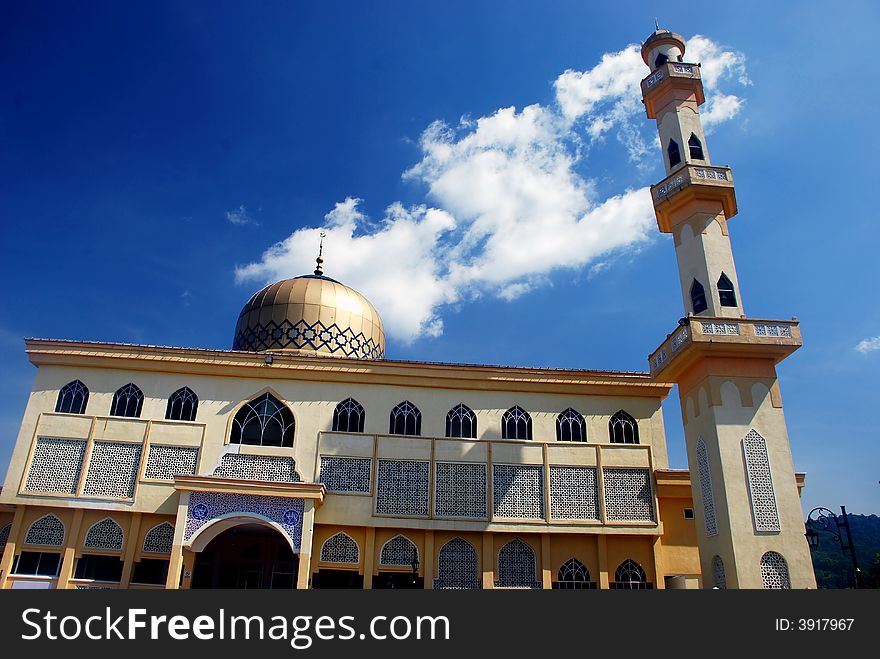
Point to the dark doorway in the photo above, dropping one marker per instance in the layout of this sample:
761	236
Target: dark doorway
398	580
246	556
338	579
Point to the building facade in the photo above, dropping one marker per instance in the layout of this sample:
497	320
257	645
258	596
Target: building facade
303	458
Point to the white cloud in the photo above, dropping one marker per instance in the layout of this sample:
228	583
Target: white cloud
239	216
512	201
868	345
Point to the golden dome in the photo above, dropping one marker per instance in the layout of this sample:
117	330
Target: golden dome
311	314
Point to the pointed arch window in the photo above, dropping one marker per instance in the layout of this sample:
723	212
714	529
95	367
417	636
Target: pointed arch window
461	422
571	427
457	566
623	429
698	297
673	153
660	60
517	566
695	147
264	421
405	419
516	424
127	401
182	405
726	294
73	398
348	416
774	571
630	576
573	575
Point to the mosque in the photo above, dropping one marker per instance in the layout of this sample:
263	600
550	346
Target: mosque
304	458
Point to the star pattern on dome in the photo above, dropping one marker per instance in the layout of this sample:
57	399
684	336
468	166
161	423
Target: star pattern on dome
304	336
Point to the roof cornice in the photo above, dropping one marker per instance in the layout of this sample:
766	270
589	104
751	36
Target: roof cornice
230	363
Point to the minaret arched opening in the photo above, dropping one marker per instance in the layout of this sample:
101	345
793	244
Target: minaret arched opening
698	297
726	294
660	60
695	147
674	154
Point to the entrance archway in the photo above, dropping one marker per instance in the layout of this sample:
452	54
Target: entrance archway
251	556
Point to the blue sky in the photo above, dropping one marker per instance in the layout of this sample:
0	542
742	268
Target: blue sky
153	153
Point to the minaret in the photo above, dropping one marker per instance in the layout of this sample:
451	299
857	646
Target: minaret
750	527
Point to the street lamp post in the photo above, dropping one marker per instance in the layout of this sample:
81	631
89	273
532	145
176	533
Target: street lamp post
821	519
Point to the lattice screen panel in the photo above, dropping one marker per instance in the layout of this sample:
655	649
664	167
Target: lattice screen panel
269	468
628	495
760	482
113	468
402	488
346	474
460	490
574	493
106	534
518	491
56	465
166	462
706	491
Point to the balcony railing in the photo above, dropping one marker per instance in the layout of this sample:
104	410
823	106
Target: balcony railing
774	337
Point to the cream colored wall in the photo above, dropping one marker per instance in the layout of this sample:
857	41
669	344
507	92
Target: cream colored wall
704	253
312	403
723	427
671	51
677	121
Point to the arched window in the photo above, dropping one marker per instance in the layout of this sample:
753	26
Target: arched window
571	427
182	405
774	571
340	548
106	534
630	576
399	550
405	420
623	429
698	297
673	153
516	424
159	539
264	421
457	566
695	146
726	294
348	416
72	398
127	401
660	61
516	566
461	422
48	531
573	575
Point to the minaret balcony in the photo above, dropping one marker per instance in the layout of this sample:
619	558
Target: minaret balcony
673	81
698	337
692	183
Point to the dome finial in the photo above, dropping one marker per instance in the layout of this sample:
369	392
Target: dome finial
319	270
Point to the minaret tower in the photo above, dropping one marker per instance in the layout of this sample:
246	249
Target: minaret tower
750	527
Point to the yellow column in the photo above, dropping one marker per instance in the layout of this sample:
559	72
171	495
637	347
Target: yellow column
369	557
603	561
189	559
175	563
12	544
131	544
488	561
305	545
69	555
546	566
659	573
428	560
